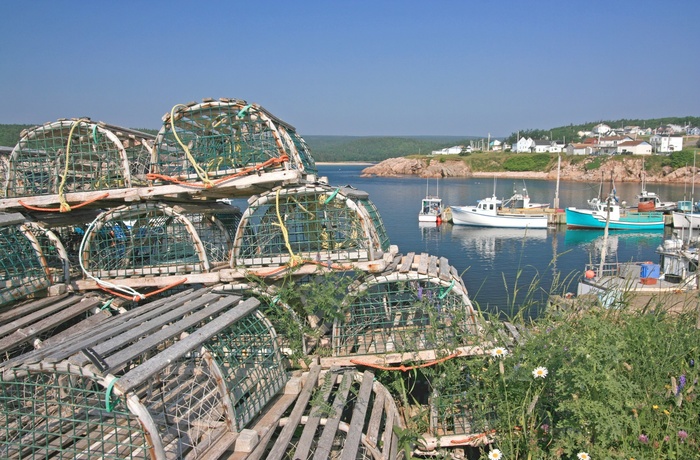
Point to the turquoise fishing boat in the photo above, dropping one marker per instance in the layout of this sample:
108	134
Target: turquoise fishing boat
616	218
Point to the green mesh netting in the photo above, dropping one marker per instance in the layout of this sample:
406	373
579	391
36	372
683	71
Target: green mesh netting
22	270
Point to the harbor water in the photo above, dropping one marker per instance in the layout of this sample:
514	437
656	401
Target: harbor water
505	270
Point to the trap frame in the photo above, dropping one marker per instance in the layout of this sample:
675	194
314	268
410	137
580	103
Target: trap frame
176	378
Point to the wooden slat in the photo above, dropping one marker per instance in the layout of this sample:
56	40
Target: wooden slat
282	443
423	264
357	422
389	437
266	426
444	269
153	340
514	332
193	341
25	308
407	262
432	267
307	436
37	315
25	335
375	418
325	442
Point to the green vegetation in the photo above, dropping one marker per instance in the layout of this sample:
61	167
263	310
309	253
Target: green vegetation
9	134
537	162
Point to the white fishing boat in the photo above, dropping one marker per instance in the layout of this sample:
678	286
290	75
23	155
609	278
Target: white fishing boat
686	220
431	207
650	201
521	202
490	213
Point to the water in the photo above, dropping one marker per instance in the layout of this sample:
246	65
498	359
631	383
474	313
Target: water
500	265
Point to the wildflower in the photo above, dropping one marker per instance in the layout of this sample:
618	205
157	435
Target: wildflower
667	412
499	352
544	427
682	434
583	456
495	454
643	438
681	384
667	438
655	407
540	372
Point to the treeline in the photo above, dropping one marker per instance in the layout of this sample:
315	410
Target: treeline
372	149
9	134
570	133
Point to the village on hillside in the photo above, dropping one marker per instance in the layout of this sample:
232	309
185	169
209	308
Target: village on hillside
601	140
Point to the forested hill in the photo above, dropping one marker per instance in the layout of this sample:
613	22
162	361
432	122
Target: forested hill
377	148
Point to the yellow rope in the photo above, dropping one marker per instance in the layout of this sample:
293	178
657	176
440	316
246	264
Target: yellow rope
64	206
201	173
294	260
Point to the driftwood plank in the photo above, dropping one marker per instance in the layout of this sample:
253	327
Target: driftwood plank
325	442
375	419
407	262
432	267
307	436
282	443
423	264
154	365
357	422
444	269
514	332
389	437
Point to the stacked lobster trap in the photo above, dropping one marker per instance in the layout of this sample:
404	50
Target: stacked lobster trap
176	378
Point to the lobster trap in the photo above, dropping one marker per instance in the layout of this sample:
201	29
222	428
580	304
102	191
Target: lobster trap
176	378
23	268
77	155
210	143
421	305
158	239
314	224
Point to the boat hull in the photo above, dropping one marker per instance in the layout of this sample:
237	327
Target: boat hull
586	218
686	220
468	215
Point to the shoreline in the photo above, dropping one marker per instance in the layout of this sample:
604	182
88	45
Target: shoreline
345	163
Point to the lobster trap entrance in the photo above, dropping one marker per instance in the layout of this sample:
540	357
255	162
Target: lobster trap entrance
168	380
314	224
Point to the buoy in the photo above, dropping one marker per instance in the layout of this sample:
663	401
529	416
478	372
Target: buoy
590	274
438	220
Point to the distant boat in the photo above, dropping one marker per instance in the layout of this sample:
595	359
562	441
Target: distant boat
489	213
650	201
521	201
616	217
686	220
431	208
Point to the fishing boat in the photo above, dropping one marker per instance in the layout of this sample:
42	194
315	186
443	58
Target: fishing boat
616	217
431	208
650	201
520	201
489	212
686	220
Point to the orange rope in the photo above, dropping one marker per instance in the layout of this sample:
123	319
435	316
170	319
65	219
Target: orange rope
243	172
145	296
405	368
61	209
472	438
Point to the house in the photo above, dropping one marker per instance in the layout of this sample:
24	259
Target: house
524	145
456	150
496	145
666	144
612	141
542	146
601	128
557	147
634	148
692	131
579	149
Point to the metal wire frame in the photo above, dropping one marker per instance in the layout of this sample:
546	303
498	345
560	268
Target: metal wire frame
23	269
403	312
71	411
451	414
77	155
157	239
223	138
314	223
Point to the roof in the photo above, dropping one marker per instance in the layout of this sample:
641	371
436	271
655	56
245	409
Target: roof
632	143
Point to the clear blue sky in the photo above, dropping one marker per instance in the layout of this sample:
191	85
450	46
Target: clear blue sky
354	67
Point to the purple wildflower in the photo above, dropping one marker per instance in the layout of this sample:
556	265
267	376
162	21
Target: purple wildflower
643	438
682	434
545	427
420	292
681	384
667	438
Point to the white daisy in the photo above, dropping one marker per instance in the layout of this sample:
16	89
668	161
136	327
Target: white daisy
499	352
583	456
495	454
541	372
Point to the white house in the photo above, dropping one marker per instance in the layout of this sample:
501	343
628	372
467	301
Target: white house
542	146
601	128
670	144
634	147
496	145
579	149
524	145
456	150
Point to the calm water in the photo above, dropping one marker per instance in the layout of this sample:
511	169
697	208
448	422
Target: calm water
499	265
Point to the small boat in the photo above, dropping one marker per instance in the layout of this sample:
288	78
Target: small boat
616	217
686	220
431	208
650	201
676	271
521	202
489	213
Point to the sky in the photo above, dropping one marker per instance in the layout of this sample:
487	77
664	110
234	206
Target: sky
355	68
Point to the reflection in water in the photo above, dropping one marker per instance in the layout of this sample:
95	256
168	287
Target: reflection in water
489	242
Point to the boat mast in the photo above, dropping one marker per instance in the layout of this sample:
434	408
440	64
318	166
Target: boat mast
556	193
603	250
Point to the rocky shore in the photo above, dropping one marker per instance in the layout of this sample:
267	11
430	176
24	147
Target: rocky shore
623	170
